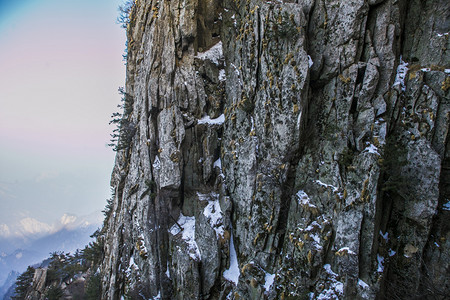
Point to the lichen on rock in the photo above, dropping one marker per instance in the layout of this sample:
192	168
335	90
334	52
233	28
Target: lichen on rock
274	141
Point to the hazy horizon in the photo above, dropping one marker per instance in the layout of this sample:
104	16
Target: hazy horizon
60	68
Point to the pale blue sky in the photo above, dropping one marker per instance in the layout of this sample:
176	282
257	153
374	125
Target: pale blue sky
60	67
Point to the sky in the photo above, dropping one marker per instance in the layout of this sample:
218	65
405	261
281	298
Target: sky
60	68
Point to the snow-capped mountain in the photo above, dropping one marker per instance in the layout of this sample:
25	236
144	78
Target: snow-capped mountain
31	241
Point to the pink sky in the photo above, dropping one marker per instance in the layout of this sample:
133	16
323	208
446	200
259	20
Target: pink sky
60	67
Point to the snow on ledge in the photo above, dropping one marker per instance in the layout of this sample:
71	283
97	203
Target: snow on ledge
402	70
371	149
188	234
213	212
269	278
232	273
213	54
207	120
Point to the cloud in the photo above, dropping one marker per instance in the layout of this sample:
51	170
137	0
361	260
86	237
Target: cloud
32	226
5	191
68	219
4	230
46	175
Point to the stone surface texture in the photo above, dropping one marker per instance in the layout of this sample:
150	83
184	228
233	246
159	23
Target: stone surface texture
283	150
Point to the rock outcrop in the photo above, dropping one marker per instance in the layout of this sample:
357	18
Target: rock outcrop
283	150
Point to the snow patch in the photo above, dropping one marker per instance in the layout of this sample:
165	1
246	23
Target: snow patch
232	273
336	289
213	54
218	164
207	120
222	76
188	234
303	199
385	236
446	205
362	284
346	250
380	259
335	189
213	213
328	269
316	238
391	252
167	270
371	149
310	61
157	163
269	278
402	70
132	266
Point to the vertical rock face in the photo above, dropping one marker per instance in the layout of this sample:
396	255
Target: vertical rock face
283	150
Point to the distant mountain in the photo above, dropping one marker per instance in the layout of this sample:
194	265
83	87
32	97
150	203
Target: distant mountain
73	233
8	286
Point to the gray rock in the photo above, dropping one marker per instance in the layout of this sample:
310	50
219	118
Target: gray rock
320	129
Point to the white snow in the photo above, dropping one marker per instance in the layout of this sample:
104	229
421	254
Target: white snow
442	34
218	163
371	149
213	54
402	70
188	234
362	284
143	247
346	249
168	270
316	238
213	213
207	120
447	71
391	252
253	123
385	236
269	278
339	287
436	244
335	189
230	295
157	297
327	268
312	226
303	199
236	70
380	260
310	61
222	76
336	289
446	205
132	265
232	274
157	163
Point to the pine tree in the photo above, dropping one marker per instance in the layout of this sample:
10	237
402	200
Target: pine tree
94	288
54	293
23	283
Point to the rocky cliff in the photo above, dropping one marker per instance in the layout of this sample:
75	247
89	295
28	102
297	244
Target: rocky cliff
283	150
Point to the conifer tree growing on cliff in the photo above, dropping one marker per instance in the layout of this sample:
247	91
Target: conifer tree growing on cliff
23	283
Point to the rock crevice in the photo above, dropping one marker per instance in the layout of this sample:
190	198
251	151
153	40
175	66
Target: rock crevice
310	135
